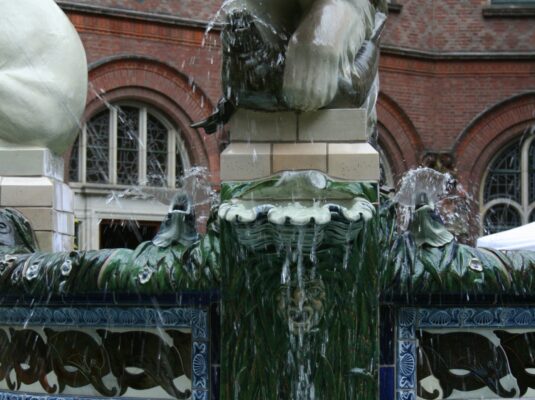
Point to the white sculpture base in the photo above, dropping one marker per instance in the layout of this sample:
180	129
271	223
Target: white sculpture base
31	181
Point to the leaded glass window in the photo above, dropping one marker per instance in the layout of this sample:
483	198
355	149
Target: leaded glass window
74	163
386	177
179	168
128	144
508	195
531	172
98	148
504	177
157	148
501	217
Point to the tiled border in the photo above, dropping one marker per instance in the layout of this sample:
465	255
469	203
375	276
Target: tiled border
122	317
406	354
411	319
388	346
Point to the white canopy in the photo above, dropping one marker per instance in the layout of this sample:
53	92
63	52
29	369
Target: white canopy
521	238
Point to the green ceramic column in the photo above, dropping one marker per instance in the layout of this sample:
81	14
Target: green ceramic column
299	259
300	290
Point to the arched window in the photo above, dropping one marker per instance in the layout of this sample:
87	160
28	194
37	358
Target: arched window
508	194
129	144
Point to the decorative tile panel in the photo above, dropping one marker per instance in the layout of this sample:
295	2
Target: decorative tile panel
465	353
406	364
404	395
102	352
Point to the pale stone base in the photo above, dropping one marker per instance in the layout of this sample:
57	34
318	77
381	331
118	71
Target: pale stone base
331	141
346	161
299	156
336	125
33	161
31	181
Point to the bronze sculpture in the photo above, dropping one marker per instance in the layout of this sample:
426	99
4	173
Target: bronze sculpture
299	55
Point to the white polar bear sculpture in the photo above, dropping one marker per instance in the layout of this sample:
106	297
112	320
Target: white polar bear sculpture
43	76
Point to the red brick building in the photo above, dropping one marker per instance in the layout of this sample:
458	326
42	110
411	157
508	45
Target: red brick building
457	91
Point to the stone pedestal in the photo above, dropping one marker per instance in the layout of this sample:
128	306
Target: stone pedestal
331	141
31	181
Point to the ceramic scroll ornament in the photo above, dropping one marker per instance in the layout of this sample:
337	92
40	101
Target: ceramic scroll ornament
299	55
43	76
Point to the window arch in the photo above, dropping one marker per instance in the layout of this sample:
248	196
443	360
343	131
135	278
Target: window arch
129	144
508	194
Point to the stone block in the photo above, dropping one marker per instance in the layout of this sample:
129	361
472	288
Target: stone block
48	219
28	192
299	156
64	200
353	161
41	218
65	223
50	241
334	125
256	126
34	161
245	161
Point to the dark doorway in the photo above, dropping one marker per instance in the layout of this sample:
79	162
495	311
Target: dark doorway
126	233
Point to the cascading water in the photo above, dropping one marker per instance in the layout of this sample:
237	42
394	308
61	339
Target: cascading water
299	280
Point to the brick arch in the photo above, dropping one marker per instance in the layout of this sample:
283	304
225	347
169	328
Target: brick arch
166	89
489	133
398	136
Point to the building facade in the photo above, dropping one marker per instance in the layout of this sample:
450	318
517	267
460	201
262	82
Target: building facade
457	94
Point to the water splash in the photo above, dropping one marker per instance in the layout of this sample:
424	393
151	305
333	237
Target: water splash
435	184
449	198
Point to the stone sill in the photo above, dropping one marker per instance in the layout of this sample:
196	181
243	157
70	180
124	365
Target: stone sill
106	189
509	11
441	56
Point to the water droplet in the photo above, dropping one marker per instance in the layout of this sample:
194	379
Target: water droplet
9	259
476	265
33	271
145	275
6	262
66	268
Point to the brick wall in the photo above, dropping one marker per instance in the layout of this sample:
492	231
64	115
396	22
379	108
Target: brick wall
428	99
442	97
189	50
173	67
431	25
193	9
457	26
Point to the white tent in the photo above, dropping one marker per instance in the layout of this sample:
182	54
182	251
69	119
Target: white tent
521	238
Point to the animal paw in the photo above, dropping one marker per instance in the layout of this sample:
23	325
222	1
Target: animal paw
310	76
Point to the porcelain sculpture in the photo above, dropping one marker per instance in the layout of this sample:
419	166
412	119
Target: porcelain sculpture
43	76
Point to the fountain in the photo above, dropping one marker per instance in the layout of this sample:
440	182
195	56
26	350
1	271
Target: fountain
330	289
299	183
